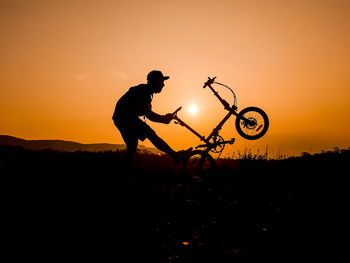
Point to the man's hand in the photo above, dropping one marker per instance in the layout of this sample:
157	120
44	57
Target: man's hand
168	117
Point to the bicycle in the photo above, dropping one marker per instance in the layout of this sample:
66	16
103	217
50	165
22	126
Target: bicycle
251	123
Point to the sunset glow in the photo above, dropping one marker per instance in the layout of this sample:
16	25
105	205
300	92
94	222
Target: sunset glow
193	109
64	65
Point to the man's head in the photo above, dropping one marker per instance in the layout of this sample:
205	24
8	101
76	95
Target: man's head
155	80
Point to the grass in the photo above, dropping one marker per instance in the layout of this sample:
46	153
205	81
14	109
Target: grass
85	205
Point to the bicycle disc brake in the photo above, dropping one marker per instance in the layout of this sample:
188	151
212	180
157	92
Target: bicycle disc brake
250	124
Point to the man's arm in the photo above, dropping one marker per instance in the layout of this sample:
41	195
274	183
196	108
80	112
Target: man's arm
156	117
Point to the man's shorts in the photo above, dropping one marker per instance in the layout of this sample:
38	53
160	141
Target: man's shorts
133	128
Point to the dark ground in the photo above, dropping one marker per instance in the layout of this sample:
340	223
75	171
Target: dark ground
84	205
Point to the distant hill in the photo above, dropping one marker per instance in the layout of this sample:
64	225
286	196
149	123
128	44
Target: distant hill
67	146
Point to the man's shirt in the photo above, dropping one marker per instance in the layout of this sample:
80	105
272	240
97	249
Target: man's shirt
135	102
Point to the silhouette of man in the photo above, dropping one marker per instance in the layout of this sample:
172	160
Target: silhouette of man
136	102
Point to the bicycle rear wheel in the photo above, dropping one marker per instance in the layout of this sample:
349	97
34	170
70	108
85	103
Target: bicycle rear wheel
254	126
198	164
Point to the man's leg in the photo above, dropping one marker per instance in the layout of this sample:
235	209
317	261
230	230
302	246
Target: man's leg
160	144
131	146
128	134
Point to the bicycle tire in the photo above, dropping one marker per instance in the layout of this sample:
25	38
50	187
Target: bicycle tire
260	127
198	163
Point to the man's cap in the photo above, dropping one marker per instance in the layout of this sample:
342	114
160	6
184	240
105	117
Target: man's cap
156	75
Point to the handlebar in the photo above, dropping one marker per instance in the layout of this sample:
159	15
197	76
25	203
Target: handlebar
209	82
175	112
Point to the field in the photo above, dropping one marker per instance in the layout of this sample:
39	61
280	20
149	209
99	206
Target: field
85	205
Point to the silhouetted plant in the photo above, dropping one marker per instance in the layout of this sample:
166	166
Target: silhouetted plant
305	154
247	154
50	190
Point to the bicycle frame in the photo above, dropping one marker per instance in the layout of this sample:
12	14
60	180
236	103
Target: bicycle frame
231	111
200	160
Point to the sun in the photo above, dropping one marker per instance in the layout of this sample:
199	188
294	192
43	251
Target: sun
193	109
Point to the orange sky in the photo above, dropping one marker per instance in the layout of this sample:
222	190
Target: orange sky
65	63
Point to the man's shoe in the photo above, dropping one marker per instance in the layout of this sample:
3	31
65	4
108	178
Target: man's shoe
179	155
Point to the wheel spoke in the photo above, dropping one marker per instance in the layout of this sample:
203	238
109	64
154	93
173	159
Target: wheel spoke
256	125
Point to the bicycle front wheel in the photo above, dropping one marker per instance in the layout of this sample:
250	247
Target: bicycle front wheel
198	164
252	123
